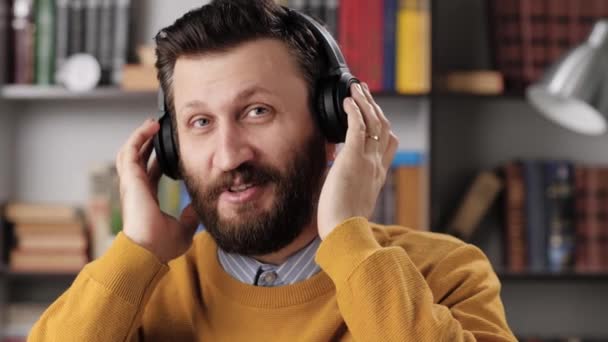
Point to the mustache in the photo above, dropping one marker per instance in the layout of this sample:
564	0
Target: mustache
247	173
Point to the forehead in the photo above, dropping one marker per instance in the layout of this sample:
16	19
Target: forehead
263	63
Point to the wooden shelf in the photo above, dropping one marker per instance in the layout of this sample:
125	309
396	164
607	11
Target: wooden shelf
550	276
33	92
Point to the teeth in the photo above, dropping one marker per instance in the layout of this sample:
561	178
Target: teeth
240	187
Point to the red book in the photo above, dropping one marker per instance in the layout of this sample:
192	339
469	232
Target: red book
508	44
589	192
515	241
557	29
533	17
373	34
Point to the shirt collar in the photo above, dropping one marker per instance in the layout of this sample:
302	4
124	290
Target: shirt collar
298	267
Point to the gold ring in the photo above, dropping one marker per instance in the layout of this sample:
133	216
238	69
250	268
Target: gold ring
375	137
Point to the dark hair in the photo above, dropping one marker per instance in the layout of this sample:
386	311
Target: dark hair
224	24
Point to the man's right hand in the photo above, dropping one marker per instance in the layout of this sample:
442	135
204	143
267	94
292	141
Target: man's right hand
143	221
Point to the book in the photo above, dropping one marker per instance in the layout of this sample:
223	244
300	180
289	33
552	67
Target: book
533	18
481	82
45	45
91	10
137	77
62	15
331	16
120	40
76	28
559	210
535	223
409	191
413	47
23	30
515	220
21	212
478	199
105	36
390	53
51	262
4	42
590	217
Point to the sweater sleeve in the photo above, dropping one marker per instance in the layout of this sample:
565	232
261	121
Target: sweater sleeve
382	296
106	300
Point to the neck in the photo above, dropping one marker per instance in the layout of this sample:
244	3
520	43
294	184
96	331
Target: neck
308	234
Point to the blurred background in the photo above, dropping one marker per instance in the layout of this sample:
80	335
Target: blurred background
476	159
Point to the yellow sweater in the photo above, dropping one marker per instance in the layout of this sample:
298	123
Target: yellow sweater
378	284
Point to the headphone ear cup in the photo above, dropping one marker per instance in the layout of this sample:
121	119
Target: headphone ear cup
330	109
166	149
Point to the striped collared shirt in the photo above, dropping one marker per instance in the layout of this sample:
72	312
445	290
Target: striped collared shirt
299	266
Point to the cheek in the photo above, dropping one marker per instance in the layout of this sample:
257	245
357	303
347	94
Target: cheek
194	158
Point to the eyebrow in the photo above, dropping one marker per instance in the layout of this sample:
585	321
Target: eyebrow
245	93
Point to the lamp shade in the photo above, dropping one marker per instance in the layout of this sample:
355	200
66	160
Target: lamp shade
574	91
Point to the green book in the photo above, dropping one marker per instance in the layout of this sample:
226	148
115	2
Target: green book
45	46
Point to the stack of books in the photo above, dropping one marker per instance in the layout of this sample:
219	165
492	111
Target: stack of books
48	238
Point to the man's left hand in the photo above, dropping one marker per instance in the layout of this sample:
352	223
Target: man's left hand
359	170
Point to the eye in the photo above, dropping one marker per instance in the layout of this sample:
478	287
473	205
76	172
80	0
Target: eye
200	122
257	111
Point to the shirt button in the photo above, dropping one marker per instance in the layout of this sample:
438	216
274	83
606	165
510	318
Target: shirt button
269	278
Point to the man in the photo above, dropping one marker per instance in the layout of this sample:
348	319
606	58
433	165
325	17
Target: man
288	254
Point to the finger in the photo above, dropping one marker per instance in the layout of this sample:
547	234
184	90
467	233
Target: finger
146	151
355	134
391	149
154	175
139	137
384	123
189	219
369	112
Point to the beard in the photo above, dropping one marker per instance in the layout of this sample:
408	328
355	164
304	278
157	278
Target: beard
253	230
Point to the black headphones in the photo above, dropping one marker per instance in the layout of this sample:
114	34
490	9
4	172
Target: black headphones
332	89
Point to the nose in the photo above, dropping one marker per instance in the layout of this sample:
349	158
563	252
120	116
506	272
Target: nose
232	148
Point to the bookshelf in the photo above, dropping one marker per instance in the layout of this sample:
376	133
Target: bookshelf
472	132
35	93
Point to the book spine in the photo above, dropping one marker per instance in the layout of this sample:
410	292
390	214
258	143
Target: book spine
515	240
390	52
557	29
587	198
4	42
23	30
121	41
409	197
600	243
559	211
374	53
76	27
413	47
315	10
45	47
536	227
91	27
298	5
61	32
105	36
331	17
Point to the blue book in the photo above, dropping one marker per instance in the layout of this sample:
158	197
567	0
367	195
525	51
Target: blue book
559	211
407	158
390	52
535	224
